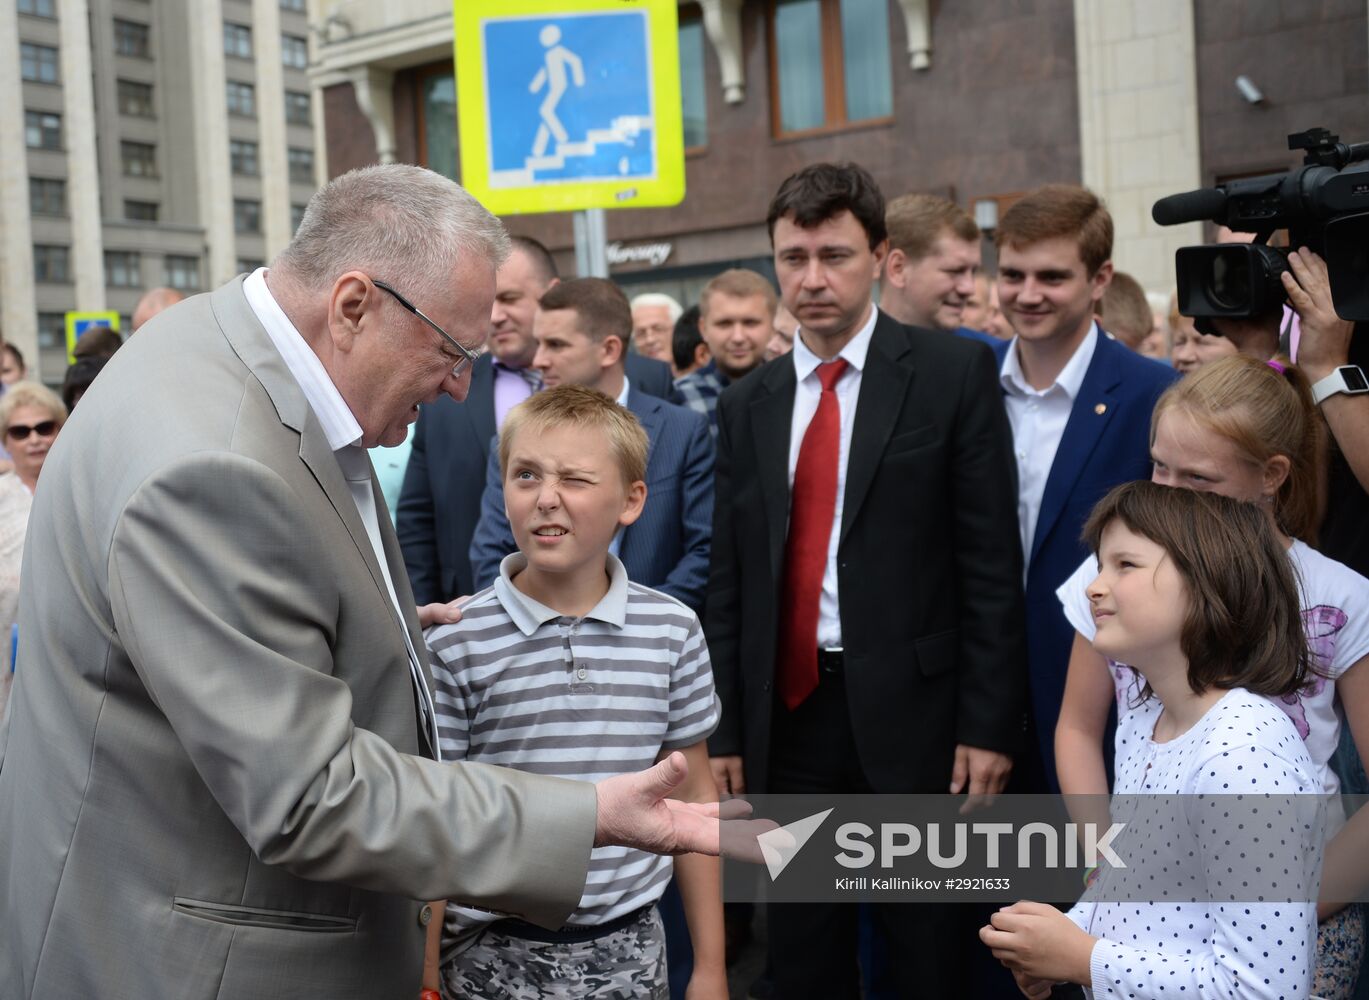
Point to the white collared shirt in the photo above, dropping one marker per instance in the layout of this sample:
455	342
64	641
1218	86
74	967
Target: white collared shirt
807	392
344	434
1038	421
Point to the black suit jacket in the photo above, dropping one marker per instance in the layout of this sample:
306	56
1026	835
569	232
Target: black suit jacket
439	505
929	561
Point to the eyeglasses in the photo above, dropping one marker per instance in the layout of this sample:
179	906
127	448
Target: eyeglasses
20	432
468	357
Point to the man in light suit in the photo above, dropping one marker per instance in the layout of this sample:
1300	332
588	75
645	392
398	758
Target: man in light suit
864	610
440	502
1079	403
582	329
215	774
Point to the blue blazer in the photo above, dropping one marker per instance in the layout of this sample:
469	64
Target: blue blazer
1106	442
439	504
667	547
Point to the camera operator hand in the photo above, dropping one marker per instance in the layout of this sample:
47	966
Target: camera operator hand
1324	347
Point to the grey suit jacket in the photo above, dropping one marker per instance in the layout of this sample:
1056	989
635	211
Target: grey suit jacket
209	781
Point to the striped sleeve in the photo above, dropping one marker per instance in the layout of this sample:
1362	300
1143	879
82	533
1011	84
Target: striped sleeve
694	705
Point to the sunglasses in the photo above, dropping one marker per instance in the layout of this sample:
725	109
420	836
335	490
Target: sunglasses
20	432
468	357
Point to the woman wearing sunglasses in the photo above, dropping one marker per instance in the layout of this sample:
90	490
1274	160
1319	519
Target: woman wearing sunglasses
30	417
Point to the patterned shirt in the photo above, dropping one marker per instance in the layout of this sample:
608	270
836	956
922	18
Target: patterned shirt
700	390
521	685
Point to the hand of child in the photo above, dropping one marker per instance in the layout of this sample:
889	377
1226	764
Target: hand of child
1033	988
1040	942
707	984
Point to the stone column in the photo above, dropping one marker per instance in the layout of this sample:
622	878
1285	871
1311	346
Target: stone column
215	189
275	166
1138	123
83	168
18	307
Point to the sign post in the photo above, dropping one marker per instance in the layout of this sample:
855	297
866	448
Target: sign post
570	105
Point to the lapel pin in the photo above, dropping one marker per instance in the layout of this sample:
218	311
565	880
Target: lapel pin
1100	409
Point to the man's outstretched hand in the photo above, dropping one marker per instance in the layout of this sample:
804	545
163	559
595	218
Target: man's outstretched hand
634	811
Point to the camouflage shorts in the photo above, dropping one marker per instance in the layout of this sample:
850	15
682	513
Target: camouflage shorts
629	962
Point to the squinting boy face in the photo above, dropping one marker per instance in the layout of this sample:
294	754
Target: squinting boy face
565	497
1138	599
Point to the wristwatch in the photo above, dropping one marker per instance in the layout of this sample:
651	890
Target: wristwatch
1348	379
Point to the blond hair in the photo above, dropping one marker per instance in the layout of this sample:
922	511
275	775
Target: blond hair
31	394
916	221
1263	411
582	407
1124	310
739	283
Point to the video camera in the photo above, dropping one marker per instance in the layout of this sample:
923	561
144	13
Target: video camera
1324	205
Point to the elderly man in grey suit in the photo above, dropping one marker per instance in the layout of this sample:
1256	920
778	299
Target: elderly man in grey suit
215	774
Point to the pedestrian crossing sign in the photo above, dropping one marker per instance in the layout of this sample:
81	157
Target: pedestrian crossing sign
569	104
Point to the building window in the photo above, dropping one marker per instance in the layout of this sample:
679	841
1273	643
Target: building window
52	333
51	263
242	99
123	269
237	40
47	196
38	63
294	51
296	5
42	130
296	216
38	8
243	157
182	273
437	123
693	85
246	216
246	265
139	158
829	64
301	165
131	39
297	110
135	99
141	211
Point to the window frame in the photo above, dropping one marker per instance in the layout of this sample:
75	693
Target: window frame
39	53
238	32
141	31
52	252
43	131
241	87
154	217
131	269
251	206
694	15
833	78
236	158
169	275
50	4
291	45
120	95
128	145
307	104
294	156
49	184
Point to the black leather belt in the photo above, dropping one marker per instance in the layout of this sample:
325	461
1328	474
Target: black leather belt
831	662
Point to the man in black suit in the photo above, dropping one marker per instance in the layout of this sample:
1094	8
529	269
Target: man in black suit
864	612
440	502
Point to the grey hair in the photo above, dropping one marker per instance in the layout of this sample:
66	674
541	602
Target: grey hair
673	308
31	394
396	222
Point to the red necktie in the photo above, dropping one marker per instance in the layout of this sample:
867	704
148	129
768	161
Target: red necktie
812	506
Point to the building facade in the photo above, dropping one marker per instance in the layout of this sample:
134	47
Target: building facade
977	100
161	142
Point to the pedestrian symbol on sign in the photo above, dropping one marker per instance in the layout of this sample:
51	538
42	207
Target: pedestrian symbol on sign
570	99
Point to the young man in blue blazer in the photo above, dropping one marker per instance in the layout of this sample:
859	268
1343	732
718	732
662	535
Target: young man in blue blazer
1079	403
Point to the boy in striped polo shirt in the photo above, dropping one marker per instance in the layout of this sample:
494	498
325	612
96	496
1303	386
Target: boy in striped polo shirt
565	667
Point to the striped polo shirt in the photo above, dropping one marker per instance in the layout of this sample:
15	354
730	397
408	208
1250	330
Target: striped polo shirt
521	685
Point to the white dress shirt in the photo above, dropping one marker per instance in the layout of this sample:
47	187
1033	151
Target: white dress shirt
343	432
806	395
1038	421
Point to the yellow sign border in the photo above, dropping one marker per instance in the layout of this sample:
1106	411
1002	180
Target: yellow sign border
107	317
667	188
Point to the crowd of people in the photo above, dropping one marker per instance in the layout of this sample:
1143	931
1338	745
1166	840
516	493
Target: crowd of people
894	526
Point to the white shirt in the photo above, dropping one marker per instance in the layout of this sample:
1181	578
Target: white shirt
806	395
343	432
1038	421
